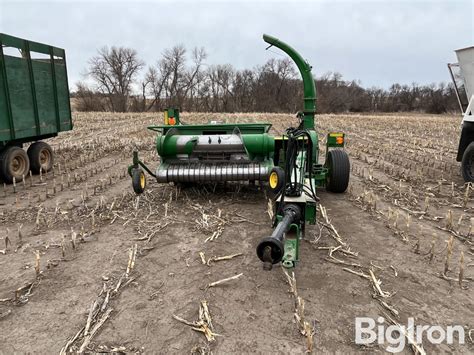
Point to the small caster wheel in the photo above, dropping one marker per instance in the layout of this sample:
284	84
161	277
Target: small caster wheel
276	180
138	181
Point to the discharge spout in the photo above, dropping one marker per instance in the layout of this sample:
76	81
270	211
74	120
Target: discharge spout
308	80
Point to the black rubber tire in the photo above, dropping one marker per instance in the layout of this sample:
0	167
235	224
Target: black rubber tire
339	171
279	173
467	163
41	157
138	181
14	163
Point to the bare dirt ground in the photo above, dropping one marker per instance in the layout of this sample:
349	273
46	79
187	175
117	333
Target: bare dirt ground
87	266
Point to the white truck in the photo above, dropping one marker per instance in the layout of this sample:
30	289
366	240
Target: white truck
462	74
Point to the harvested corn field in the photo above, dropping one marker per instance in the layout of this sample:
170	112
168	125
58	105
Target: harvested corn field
87	265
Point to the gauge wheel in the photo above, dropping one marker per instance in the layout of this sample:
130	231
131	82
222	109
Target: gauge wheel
138	181
276	180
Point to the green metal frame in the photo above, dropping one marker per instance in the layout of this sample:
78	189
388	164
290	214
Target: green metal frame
136	164
292	244
34	92
224	128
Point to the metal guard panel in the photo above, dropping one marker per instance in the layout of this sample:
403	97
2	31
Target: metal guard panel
223	127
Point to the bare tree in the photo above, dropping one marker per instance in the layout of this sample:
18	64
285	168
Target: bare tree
170	80
194	76
174	61
273	87
86	99
114	71
154	83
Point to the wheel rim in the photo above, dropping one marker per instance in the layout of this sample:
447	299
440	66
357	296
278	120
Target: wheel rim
142	180
18	166
273	180
45	158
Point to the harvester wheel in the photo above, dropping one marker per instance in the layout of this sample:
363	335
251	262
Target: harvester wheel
276	180
138	181
467	164
14	163
41	157
339	170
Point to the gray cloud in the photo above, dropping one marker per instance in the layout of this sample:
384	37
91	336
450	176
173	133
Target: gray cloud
378	42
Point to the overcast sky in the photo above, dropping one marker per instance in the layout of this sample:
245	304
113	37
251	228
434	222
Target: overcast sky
378	42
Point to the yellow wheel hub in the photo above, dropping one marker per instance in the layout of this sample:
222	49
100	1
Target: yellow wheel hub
273	180
142	180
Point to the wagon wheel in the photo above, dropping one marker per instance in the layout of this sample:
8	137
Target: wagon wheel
41	157
467	166
14	163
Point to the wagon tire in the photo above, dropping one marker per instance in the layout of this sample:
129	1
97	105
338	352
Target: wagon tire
339	171
41	157
14	163
138	181
467	163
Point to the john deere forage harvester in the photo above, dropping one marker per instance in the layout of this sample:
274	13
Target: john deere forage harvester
247	152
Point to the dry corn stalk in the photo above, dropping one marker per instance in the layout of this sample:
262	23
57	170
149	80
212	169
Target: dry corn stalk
416	347
215	283
20	234
449	252
7	240
432	248
427	204
461	217
467	192
94	330
305	328
37	263
376	285
203	258
461	269
408	223
270	209
216	234
449	220
132	255
203	324
220	258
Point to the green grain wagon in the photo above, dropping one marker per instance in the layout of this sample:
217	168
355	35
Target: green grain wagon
34	105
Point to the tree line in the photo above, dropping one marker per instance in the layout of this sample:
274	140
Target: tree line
119	81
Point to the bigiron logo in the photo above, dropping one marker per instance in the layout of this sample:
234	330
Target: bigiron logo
395	337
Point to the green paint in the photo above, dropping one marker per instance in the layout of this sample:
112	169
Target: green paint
34	92
310	212
331	141
308	80
292	246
